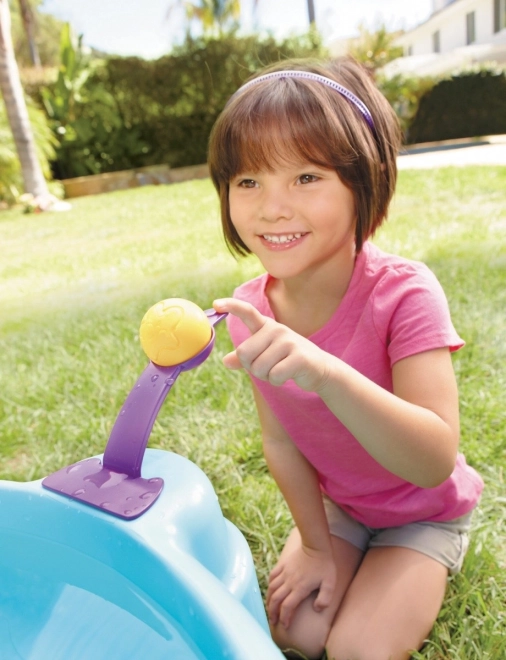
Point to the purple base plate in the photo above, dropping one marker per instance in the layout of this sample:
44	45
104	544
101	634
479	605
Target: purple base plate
116	486
113	492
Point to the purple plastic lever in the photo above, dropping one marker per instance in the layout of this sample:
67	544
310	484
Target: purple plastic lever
117	486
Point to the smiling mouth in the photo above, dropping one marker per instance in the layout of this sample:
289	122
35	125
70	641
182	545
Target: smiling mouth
282	238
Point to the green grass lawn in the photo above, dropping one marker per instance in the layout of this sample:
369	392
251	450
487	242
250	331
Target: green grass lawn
75	286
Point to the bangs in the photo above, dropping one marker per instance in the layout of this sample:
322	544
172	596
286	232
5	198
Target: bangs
271	139
284	124
291	120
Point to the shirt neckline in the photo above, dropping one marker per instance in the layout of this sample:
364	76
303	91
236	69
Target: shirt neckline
339	315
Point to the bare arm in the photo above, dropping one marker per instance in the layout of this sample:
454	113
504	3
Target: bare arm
296	478
311	568
413	432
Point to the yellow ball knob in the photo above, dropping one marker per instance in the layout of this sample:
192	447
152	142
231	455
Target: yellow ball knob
173	331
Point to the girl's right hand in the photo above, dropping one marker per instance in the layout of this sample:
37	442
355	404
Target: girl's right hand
294	578
275	353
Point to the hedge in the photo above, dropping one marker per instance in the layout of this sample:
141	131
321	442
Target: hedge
128	113
470	104
163	109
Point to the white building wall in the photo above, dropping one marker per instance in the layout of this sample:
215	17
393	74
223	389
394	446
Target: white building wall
486	25
450	21
439	4
449	18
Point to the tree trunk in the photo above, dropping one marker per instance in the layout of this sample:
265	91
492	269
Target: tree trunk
29	25
310	11
17	114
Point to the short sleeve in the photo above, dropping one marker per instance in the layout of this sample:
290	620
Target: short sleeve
411	312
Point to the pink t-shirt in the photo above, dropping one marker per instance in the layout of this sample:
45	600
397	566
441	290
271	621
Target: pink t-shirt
393	308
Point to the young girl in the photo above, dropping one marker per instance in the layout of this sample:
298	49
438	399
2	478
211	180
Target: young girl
348	349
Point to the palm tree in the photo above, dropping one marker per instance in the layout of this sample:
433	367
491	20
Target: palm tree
17	114
311	12
214	15
29	27
15	106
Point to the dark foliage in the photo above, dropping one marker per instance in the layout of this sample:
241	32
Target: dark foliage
470	104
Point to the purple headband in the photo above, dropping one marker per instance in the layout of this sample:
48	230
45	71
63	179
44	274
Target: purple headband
294	73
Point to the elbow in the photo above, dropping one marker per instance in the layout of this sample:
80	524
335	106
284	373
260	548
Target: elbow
435	480
439	471
441	461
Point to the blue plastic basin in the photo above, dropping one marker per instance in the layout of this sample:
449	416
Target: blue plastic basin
177	583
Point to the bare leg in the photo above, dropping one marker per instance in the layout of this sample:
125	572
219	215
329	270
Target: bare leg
390	606
309	630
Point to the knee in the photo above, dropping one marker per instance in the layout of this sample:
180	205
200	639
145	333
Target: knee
307	643
357	649
345	652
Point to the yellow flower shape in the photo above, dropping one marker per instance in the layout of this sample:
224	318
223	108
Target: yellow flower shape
173	331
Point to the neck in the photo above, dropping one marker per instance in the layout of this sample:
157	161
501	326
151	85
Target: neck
306	303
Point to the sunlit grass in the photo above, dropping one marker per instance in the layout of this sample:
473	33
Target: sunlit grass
74	287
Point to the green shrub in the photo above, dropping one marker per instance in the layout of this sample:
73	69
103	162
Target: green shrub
84	116
404	94
375	47
128	112
468	104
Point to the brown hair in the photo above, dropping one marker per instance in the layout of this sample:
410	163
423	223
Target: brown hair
303	119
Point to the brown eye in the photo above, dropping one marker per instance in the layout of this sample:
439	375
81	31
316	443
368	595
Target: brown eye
247	183
308	178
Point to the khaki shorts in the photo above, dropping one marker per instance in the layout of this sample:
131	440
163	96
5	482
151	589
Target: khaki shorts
446	542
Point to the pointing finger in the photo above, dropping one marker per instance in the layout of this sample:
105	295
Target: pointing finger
248	314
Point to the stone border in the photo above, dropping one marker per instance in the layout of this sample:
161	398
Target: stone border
458	143
163	174
96	184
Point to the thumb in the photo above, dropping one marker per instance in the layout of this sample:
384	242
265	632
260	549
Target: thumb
231	361
324	597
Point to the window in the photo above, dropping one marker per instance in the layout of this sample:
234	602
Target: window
470	28
410	51
436	45
499	15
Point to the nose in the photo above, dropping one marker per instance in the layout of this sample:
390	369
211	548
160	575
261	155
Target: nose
276	204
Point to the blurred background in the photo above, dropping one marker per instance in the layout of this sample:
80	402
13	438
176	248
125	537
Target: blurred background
113	86
150	28
110	96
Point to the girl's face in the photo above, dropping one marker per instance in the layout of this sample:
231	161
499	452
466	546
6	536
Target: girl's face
298	219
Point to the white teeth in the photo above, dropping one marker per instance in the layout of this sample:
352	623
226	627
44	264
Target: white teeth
284	238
